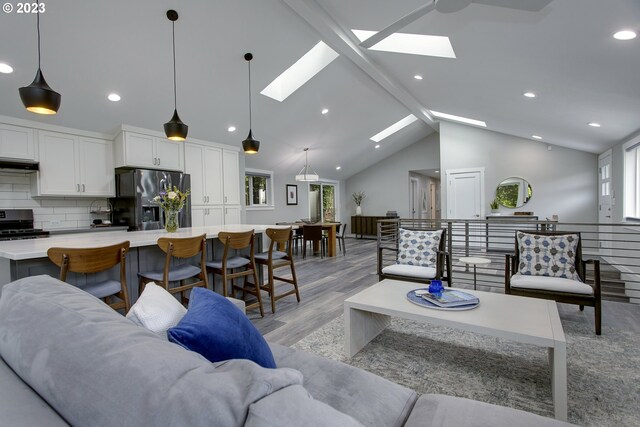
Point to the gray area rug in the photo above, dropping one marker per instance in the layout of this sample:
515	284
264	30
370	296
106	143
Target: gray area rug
603	371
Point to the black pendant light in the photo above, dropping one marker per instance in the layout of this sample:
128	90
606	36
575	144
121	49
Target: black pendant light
250	145
38	97
174	128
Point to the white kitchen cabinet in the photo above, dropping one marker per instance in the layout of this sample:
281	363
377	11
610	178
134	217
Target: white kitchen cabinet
232	215
204	165
231	177
204	216
16	142
133	149
73	166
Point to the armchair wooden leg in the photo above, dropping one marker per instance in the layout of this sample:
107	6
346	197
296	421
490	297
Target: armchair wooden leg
582	308
598	316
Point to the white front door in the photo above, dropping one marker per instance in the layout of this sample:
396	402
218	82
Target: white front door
465	200
414	188
604	202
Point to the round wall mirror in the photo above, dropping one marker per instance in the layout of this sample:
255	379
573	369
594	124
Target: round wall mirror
514	192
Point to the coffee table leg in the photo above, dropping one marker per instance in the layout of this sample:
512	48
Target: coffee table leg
360	327
558	364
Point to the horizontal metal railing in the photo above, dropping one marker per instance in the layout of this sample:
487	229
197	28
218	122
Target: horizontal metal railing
617	246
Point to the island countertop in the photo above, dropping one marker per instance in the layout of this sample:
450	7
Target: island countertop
37	248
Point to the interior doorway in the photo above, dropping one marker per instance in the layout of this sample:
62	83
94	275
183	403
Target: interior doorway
604	202
322	201
465	201
424	194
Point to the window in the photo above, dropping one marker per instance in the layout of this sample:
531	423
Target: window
322	201
631	179
258	188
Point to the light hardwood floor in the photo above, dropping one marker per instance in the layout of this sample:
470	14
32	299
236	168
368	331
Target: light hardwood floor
326	282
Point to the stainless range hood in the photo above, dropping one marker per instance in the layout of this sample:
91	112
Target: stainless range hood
24	166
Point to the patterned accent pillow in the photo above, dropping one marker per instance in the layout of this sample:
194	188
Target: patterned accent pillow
418	247
553	256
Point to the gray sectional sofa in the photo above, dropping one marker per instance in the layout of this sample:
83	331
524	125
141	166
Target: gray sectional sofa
68	359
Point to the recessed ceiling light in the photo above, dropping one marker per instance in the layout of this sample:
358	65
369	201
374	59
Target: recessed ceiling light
417	77
338	168
536	137
529	94
377	146
394	128
113	97
416	44
625	35
310	64
461	119
5	68
437	171
231	128
594	124
324	111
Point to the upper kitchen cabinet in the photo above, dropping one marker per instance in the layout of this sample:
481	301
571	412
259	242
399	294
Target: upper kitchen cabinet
142	150
204	164
74	165
231	174
16	142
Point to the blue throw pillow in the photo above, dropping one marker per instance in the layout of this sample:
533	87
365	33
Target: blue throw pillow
216	329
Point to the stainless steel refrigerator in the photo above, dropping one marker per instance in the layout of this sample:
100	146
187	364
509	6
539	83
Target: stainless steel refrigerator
135	190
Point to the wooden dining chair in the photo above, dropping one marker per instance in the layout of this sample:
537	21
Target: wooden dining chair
274	259
312	233
232	266
181	248
94	260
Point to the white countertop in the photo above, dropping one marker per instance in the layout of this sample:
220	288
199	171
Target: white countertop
37	248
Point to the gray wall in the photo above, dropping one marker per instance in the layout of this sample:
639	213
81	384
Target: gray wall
386	183
564	181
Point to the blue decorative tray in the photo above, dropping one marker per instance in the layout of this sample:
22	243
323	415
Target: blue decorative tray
418	300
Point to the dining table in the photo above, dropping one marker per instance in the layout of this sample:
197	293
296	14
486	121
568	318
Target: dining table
331	228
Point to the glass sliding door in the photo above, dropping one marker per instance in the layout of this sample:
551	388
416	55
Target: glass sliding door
322	202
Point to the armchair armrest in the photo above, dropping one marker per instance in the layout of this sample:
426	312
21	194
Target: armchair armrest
444	260
596	274
509	270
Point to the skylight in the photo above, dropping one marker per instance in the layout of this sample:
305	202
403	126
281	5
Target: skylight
415	44
300	72
461	119
394	128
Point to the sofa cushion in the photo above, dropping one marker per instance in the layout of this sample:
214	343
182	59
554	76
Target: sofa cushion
94	367
418	247
370	399
553	256
157	310
545	283
20	405
436	410
410	271
216	329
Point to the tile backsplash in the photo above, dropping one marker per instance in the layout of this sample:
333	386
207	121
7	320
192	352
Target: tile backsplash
48	213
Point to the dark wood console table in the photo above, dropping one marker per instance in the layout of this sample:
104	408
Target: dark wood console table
365	225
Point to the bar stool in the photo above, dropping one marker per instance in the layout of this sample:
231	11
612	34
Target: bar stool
273	259
226	266
94	260
181	248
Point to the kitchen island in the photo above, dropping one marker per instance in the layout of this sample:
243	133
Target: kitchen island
23	258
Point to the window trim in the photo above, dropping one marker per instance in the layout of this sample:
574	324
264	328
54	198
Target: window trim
269	175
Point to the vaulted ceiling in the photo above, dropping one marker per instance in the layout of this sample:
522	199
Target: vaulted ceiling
564	53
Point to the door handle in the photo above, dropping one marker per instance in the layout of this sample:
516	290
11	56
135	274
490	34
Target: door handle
225	199
158	161
78	187
83	189
154	161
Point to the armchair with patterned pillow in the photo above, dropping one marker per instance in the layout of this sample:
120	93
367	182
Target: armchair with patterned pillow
420	256
549	265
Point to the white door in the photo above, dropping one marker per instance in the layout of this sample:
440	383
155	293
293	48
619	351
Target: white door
231	174
465	200
96	167
604	202
213	176
198	214
58	173
414	198
139	151
232	215
215	216
193	165
169	154
432	200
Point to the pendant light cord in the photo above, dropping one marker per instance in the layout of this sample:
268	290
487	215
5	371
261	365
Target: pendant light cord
38	26
175	93
249	94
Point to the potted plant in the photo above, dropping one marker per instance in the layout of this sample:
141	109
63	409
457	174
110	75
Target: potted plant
358	196
494	206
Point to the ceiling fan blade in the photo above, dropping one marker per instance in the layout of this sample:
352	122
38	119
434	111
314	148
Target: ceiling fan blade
398	25
528	5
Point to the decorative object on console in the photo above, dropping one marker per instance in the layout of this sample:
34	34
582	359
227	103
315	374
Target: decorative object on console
174	128
358	197
250	145
172	203
307	173
513	192
292	194
38	97
495	206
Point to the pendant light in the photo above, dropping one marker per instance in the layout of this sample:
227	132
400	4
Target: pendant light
250	145
307	173
174	128
38	97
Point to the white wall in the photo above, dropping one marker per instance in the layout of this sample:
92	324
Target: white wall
564	181
15	193
386	183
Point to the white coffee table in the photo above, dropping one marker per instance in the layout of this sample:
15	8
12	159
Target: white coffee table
526	320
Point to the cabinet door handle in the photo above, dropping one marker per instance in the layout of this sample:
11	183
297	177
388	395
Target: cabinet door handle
154	160
207	199
158	161
83	189
225	199
78	188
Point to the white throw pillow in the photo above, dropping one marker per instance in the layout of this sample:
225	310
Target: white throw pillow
156	310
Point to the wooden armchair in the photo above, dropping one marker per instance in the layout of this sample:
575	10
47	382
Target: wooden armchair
569	290
418	269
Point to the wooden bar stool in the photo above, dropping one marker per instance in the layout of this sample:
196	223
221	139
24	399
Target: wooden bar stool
226	266
185	247
273	259
94	260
